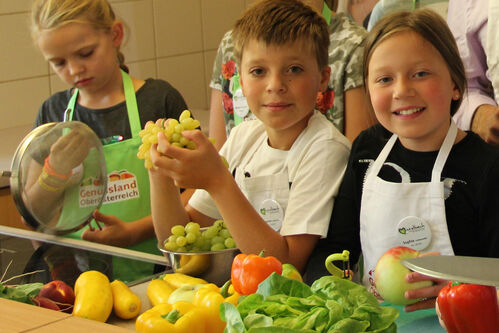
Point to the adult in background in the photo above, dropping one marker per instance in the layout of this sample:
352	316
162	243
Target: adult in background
385	7
474	25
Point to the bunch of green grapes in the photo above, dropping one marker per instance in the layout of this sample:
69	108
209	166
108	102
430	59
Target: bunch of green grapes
173	129
190	238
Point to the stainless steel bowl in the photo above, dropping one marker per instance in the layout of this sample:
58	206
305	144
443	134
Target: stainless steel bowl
213	266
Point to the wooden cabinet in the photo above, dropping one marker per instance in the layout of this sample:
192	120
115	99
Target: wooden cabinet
9	216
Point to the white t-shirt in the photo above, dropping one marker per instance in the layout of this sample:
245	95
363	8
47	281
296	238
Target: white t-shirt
315	165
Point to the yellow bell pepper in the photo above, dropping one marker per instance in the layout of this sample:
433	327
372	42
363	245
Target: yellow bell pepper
181	317
210	297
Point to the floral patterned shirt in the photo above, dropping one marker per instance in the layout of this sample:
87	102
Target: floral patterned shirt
345	59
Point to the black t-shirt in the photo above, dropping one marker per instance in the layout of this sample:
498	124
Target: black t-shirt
155	99
471	179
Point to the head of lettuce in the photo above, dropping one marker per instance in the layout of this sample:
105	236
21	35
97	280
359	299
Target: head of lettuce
330	305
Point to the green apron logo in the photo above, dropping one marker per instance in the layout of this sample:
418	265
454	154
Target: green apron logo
121	186
90	192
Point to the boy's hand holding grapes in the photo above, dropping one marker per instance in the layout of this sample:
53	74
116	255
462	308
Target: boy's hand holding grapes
201	167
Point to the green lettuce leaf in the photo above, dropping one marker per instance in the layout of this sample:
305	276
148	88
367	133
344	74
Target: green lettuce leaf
21	293
231	316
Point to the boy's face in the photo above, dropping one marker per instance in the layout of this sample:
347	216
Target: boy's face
281	83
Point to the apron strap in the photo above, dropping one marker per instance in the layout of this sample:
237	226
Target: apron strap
378	163
68	114
439	163
444	152
130	100
326	13
131	104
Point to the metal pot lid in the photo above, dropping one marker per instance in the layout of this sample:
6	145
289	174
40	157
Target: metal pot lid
53	202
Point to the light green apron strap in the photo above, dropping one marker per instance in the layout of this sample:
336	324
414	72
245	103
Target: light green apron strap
131	104
236	84
68	114
326	13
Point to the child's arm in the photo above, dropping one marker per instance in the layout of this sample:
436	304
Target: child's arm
203	168
357	115
217	121
117	232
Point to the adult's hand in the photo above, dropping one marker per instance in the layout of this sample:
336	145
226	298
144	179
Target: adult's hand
486	123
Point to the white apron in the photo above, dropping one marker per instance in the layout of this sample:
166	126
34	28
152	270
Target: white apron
403	214
269	194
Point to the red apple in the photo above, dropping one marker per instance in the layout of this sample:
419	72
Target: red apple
59	292
389	276
45	303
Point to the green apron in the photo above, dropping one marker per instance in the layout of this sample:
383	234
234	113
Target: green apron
127	195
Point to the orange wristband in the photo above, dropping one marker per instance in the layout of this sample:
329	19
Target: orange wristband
51	172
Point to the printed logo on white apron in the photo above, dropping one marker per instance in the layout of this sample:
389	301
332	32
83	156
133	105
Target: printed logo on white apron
121	186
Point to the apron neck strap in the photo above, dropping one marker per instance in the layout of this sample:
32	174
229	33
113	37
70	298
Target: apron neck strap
444	152
439	162
68	114
326	13
130	99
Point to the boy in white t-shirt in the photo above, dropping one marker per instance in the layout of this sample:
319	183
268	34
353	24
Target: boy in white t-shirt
286	166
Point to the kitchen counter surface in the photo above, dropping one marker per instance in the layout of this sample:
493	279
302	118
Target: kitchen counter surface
20	317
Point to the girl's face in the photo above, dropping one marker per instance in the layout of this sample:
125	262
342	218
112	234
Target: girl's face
281	83
82	56
411	90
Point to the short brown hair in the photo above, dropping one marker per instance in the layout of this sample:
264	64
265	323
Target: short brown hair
280	22
433	29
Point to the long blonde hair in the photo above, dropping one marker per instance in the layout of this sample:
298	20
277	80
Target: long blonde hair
52	14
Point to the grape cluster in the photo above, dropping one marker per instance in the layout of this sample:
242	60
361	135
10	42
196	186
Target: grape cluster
173	129
190	238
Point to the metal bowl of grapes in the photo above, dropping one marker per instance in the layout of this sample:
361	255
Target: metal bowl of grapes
206	253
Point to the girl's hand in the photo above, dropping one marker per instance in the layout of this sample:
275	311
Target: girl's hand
428	294
114	232
69	151
198	168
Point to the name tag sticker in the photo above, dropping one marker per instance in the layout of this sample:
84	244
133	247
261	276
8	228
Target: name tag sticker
240	104
272	213
414	232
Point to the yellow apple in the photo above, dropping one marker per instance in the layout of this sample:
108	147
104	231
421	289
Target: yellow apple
389	276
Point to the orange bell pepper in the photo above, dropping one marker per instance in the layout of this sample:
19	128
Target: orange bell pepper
249	270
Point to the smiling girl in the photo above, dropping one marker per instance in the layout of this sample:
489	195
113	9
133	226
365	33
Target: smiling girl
415	168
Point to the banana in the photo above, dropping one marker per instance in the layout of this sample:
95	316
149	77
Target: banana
195	264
